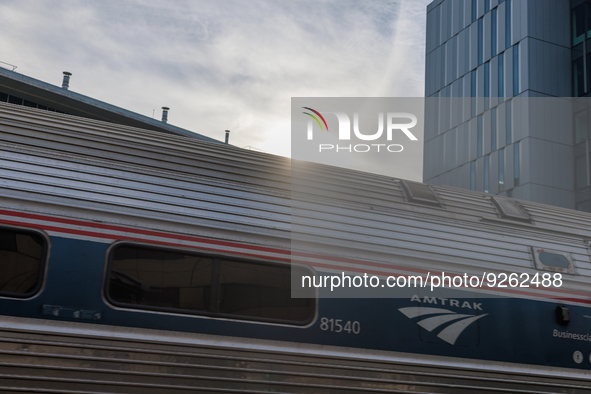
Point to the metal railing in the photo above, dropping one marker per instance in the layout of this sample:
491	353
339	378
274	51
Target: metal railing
8	64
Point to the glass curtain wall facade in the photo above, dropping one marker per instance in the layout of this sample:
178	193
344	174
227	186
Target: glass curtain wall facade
499	52
581	86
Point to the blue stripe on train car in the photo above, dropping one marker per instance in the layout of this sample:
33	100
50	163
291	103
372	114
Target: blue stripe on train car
496	329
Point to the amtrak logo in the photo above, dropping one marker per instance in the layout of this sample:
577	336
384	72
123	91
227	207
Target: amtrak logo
450	333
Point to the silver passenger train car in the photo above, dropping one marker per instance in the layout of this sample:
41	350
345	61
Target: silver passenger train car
137	262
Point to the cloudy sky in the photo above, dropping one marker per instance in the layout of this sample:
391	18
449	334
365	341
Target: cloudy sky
227	64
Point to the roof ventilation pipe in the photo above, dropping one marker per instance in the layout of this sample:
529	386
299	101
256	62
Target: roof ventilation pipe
227	136
165	114
66	81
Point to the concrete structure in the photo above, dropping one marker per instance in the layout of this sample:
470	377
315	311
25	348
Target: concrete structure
517	136
19	89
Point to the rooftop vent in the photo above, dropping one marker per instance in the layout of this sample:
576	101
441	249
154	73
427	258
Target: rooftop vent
165	114
420	193
66	81
227	136
511	209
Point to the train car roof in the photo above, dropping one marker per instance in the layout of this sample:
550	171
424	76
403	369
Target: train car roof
67	161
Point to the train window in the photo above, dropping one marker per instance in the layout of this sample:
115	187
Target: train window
554	260
195	283
550	260
22	257
260	291
160	278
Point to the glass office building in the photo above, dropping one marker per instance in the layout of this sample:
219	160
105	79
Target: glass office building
516	64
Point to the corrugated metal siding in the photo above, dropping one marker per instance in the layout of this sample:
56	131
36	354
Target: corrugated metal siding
111	360
231	193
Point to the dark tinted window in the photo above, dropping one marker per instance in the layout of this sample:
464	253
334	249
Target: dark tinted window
22	255
178	281
494	33
516	70
480	41
501	78
508	24
260	291
152	277
554	260
15	100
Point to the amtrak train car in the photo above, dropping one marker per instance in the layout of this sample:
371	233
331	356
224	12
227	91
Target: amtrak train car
133	261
